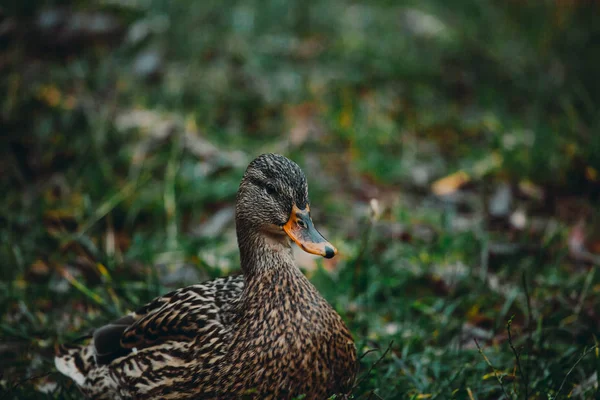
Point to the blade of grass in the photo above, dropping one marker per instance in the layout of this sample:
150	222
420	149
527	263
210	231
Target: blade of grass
583	355
169	196
494	370
517	357
597	354
82	288
109	204
586	286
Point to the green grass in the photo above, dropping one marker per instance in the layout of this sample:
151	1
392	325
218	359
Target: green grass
108	173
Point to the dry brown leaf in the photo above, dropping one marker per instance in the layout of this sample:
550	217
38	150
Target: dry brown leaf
450	183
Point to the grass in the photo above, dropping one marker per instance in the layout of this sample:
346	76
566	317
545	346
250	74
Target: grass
121	145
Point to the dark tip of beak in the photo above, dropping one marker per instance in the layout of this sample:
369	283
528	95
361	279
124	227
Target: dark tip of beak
329	253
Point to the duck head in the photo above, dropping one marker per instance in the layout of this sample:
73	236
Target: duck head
272	201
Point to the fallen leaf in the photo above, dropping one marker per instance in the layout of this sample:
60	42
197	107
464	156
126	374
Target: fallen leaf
450	183
531	190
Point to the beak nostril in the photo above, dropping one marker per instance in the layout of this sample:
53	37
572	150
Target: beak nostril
301	230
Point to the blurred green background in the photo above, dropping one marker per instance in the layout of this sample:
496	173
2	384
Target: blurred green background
451	151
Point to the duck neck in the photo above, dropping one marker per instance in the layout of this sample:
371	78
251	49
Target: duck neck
262	253
269	269
275	289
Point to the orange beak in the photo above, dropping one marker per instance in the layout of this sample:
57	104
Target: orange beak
301	230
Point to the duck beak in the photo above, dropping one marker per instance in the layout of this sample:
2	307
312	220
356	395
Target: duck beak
301	230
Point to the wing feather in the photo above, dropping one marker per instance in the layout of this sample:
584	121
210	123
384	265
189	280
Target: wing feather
181	315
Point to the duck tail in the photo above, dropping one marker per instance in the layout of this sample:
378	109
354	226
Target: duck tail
75	361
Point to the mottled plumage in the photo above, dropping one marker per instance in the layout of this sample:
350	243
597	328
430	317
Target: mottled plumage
266	334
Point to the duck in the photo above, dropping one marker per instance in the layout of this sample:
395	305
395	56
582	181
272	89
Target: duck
264	334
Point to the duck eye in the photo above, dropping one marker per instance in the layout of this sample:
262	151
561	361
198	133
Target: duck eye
270	189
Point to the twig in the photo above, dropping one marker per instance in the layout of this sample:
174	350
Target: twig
374	394
25	380
585	353
517	357
528	324
586	286
527	298
373	366
488	362
367	352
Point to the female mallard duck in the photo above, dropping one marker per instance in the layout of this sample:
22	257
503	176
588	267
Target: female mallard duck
266	334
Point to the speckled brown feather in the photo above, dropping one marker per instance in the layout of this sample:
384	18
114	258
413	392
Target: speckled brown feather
267	334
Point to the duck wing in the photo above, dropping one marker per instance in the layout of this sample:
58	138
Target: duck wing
181	315
108	366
